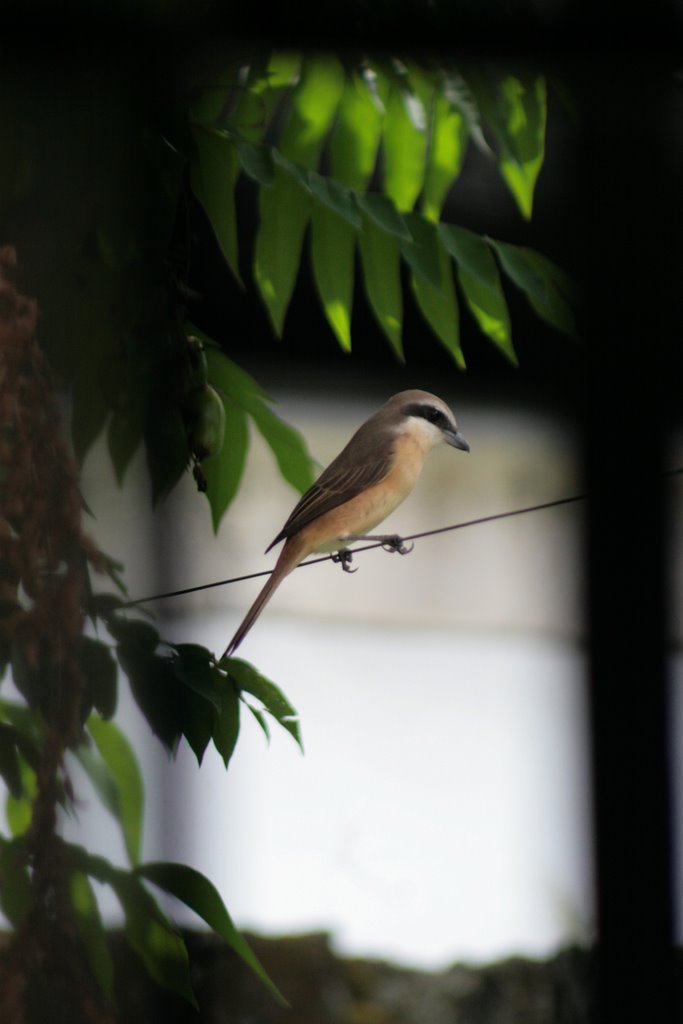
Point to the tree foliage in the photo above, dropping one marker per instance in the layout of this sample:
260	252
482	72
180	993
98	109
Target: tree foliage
364	158
69	682
354	161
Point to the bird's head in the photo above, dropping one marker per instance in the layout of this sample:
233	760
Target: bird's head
428	417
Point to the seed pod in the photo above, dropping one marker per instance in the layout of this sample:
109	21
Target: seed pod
207	425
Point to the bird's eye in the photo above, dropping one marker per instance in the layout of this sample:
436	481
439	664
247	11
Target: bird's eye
434	415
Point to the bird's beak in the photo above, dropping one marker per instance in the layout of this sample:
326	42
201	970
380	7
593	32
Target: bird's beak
453	437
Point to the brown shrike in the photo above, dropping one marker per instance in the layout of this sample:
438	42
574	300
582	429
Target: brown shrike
368	479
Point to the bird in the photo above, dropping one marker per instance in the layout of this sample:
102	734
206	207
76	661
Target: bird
369	478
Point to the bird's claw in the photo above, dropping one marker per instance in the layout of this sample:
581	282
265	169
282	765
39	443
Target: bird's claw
344	558
396	543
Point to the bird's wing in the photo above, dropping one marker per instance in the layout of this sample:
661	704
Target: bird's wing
336	485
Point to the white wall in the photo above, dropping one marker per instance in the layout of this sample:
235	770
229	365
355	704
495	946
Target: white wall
442	808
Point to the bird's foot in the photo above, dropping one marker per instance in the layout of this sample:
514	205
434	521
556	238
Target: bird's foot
395	543
344	557
389	541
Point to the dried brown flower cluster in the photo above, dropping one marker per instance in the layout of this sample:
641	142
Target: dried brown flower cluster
43	551
43	563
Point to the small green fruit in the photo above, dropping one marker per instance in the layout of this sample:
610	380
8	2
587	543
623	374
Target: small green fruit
207	424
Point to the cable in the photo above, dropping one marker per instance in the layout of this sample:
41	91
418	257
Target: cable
366	547
378	544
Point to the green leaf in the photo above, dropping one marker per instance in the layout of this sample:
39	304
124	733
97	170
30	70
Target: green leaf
380	209
523	136
446	155
99	669
119	758
224	471
198	722
333	243
10	769
232	380
284	212
113	570
16	894
405	146
287	444
356	136
546	286
134	632
250	681
283	70
516	112
336	197
460	98
285	206
208	109
197	670
213	178
439	306
422	252
124	434
260	93
91	932
380	260
157	690
19	814
261	719
195	667
177	692
313	106
257	161
153	938
554	274
23	719
101	778
296	172
197	892
480	282
104	606
227	724
19	809
167	448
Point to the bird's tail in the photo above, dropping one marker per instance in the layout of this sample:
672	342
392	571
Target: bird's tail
289	558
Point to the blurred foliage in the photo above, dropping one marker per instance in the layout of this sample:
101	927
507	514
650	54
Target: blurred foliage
67	681
364	158
184	694
108	185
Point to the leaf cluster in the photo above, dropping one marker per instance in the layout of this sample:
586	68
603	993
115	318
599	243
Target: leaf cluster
363	158
102	183
245	401
354	160
151	395
184	693
157	402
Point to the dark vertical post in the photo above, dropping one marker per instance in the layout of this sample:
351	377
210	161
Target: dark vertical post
627	196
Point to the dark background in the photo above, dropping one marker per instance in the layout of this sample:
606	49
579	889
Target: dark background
608	208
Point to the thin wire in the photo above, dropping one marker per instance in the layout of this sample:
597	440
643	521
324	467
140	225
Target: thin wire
378	544
366	547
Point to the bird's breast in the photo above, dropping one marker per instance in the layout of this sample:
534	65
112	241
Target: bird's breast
362	513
